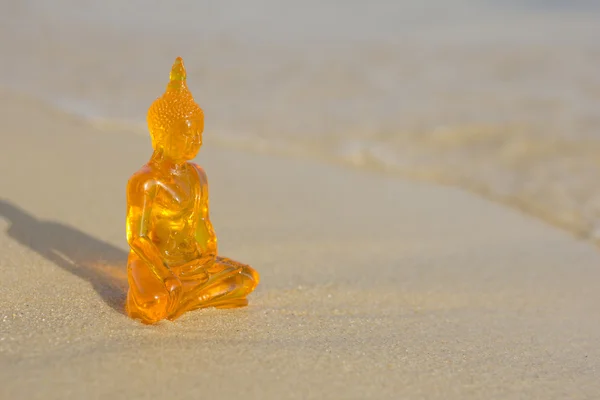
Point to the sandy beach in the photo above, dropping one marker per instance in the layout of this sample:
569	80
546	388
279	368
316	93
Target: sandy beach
372	287
415	181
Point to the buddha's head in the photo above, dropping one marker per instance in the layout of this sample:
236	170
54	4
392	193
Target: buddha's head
175	121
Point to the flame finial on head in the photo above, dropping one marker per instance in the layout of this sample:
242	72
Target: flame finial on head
178	75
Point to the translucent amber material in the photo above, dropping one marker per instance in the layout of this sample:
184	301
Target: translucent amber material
173	265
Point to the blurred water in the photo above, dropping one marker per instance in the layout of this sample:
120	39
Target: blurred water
501	97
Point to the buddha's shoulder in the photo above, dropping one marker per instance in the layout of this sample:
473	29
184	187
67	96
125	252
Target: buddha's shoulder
142	177
200	171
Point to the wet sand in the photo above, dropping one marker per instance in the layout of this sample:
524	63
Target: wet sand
372	287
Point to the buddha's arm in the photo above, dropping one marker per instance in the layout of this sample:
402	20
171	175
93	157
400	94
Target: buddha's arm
139	205
205	233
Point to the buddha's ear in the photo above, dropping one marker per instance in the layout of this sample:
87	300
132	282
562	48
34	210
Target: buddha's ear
197	123
157	136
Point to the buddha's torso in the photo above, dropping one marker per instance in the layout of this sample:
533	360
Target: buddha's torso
175	215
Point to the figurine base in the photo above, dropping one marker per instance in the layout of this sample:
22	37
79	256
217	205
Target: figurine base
223	284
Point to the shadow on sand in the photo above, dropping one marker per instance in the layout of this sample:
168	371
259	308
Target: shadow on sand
100	263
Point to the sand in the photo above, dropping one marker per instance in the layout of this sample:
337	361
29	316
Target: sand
372	287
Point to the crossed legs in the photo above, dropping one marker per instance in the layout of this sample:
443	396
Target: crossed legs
224	283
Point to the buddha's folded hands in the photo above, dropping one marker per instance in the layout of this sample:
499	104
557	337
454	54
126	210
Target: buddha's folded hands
174	289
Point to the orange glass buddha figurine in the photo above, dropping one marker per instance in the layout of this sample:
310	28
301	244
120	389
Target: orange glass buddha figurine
173	265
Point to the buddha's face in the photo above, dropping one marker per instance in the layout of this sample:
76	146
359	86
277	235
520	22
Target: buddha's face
182	141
